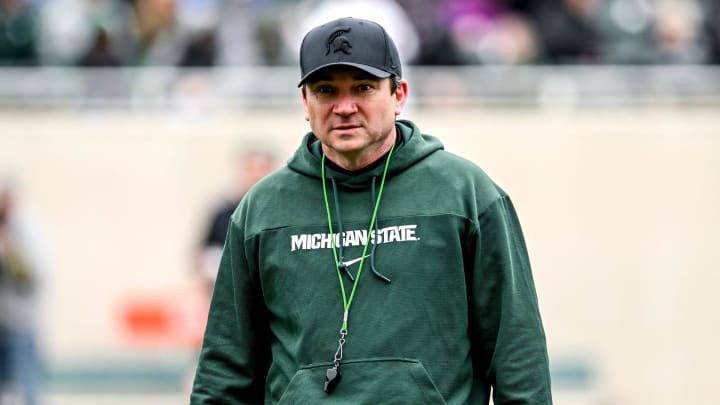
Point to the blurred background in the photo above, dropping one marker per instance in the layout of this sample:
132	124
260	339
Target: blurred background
129	128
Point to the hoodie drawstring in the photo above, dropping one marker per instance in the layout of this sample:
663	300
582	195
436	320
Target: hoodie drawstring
374	245
342	264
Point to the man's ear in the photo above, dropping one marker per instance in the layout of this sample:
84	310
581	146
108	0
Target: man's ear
401	94
303	95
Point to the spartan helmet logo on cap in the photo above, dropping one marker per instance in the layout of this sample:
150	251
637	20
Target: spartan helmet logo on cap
337	42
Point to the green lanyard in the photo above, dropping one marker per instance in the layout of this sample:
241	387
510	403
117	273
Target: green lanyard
333	374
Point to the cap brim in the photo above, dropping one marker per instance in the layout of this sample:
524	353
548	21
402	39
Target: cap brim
380	74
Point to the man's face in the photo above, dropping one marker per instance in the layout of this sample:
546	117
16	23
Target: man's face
352	113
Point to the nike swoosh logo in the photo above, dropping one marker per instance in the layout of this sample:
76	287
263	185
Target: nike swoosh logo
353	261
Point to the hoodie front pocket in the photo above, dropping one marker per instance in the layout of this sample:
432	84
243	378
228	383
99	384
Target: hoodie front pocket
367	381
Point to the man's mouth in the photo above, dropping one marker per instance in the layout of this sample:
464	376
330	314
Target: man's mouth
346	126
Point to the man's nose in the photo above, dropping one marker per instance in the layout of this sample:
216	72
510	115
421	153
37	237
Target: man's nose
345	104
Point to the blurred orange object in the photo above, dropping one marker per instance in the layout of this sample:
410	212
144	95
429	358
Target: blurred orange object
169	318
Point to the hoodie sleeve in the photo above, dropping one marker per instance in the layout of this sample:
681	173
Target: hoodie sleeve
234	359
509	349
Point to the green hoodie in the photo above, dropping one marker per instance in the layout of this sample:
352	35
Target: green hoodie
458	320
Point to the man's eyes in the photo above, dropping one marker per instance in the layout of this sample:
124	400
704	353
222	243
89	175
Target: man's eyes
329	90
324	89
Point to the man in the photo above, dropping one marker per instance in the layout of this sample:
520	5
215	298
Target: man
375	268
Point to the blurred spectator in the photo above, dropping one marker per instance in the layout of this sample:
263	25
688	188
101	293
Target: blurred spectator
678	33
644	32
712	29
134	32
18	20
201	50
517	6
436	45
69	30
199	19
470	22
510	40
456	32
566	31
100	53
249	167
20	276
152	36
236	33
268	36
626	29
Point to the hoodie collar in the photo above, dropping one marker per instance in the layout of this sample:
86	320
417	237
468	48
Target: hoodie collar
414	147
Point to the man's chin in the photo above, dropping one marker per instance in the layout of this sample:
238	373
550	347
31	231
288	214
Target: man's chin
346	132
347	143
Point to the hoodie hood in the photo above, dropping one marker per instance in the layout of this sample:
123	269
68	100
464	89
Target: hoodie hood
414	148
